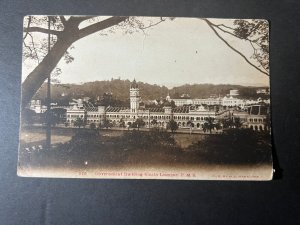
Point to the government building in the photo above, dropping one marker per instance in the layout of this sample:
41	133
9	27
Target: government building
187	112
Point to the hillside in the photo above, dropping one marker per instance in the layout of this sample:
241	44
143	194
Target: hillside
63	93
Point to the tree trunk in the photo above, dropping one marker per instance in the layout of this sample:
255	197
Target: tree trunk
36	78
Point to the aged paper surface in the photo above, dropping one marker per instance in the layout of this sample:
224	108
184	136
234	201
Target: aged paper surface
145	98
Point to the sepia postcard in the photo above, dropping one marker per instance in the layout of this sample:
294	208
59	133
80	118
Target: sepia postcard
125	97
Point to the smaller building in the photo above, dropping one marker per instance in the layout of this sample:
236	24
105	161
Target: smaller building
37	107
258	117
264	91
234	92
233	102
75	112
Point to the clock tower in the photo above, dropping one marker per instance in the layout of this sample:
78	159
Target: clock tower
134	97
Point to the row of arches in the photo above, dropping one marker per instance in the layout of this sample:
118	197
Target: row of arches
184	124
258	127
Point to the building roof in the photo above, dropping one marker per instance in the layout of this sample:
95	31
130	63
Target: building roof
115	109
91	109
182	109
156	109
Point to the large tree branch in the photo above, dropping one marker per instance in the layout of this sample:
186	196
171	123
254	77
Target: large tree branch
42	30
36	78
101	25
211	25
227	32
154	24
234	35
63	20
222	25
34	48
28	25
70	34
76	20
256	55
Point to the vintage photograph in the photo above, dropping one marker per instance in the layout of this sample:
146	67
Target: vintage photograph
125	97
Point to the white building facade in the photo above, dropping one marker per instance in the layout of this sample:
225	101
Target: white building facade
188	112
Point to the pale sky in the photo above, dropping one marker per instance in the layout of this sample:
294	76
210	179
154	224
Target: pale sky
182	51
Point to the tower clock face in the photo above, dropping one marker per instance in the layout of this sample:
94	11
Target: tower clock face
134	93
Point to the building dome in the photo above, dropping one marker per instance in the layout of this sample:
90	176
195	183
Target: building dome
134	84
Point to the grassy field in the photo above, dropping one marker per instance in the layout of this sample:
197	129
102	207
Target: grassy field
62	135
185	140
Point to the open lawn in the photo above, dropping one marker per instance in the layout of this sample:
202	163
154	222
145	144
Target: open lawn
36	135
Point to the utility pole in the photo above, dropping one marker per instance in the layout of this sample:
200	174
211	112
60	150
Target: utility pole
48	127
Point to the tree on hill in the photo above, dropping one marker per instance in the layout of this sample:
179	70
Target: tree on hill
95	90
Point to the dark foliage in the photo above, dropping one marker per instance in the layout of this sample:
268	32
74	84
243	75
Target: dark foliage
28	116
172	125
138	123
242	146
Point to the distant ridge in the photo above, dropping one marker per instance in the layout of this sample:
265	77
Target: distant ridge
120	90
